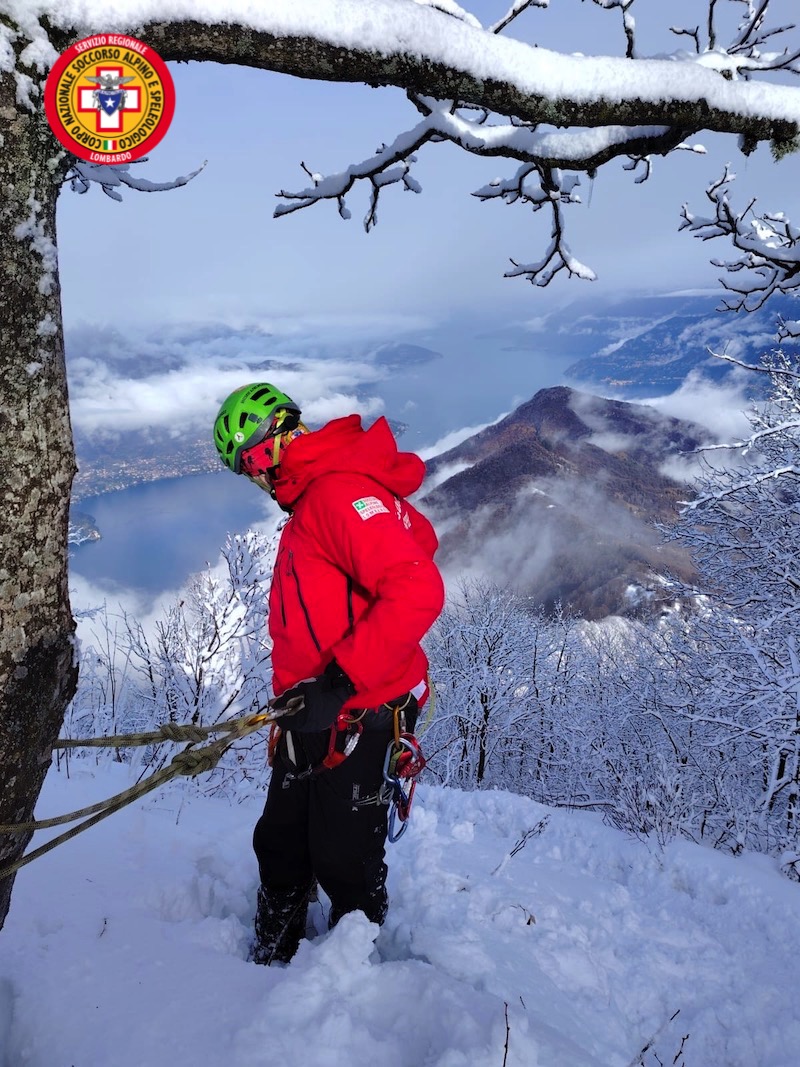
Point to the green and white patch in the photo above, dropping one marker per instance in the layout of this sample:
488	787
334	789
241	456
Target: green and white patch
367	506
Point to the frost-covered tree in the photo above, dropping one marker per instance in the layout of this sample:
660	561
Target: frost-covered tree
744	532
207	658
507	682
553	116
481	652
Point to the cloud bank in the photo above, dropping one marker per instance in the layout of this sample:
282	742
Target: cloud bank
174	380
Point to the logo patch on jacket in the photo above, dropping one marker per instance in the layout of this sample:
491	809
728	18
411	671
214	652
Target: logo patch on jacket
368	506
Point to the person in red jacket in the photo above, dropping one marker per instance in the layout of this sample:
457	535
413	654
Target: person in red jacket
354	590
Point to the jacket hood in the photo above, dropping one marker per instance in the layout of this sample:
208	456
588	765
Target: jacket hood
343	445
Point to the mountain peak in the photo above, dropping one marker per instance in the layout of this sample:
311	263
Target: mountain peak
560	497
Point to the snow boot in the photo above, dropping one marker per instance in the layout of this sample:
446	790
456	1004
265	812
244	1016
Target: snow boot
280	923
374	907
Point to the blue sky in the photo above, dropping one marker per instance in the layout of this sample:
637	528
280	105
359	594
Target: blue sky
212	250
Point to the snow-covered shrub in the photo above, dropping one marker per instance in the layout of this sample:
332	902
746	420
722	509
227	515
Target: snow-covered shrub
207	659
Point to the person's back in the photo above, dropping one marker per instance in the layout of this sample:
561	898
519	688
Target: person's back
354	545
354	590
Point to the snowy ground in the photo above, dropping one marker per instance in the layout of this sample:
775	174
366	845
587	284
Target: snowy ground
127	947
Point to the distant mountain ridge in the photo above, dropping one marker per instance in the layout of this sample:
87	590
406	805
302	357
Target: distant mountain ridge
647	346
559	499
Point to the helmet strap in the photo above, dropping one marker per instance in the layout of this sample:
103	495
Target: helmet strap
277	441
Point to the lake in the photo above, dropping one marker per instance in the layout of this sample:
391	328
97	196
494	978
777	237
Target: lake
157	534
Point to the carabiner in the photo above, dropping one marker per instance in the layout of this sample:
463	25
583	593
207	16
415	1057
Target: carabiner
403	760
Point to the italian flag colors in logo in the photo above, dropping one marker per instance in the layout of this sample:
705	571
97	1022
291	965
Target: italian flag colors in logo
109	98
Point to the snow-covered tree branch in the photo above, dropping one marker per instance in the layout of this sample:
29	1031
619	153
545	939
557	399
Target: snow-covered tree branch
769	247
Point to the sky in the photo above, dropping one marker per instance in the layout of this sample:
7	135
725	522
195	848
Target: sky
128	944
212	251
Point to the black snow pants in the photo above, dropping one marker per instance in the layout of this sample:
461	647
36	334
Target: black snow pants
318	828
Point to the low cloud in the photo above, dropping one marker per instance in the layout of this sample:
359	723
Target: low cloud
550	523
175	380
612	442
721	409
454	438
448	470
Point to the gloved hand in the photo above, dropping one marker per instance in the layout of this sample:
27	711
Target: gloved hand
314	704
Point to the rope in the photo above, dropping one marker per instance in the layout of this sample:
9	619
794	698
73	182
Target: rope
431	706
168	731
190	762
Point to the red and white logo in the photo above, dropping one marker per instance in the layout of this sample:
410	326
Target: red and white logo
109	99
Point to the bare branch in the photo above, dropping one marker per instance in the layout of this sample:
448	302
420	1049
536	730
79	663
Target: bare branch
712	33
694	34
628	22
769	245
744	55
748	29
516	9
634	162
82	176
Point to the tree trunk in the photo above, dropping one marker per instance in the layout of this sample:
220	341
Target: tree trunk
37	664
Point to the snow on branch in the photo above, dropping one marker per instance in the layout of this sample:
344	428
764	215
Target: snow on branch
745	54
753	35
768	243
438	53
82	176
389	165
449	7
541	187
514	11
544	153
560	112
772	442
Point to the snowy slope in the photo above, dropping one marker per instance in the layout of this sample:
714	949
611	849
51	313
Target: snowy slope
126	947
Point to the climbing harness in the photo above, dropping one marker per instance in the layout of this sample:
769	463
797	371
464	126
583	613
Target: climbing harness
350	727
401	766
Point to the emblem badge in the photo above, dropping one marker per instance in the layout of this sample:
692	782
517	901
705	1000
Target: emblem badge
109	99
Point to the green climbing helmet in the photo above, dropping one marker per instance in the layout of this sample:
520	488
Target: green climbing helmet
246	418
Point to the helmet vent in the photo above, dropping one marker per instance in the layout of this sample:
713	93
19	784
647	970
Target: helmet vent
263	392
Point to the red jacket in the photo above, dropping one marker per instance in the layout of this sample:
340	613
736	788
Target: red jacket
354	578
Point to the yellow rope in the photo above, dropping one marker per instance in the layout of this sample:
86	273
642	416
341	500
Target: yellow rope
431	706
168	731
190	762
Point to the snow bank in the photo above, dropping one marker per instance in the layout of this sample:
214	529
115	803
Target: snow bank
128	945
